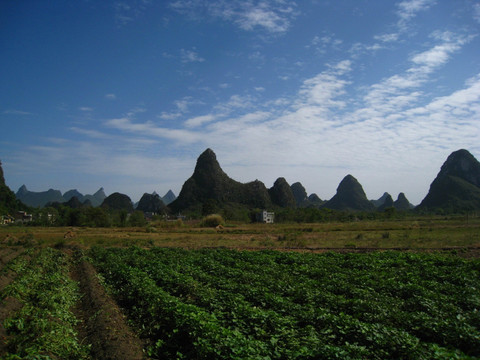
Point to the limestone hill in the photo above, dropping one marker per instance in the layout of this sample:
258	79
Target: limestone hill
209	183
456	187
350	196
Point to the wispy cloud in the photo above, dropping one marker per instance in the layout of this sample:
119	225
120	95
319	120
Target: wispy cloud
408	9
386	38
89	132
189	56
17	112
324	43
85	109
110	96
150	129
199	120
399	90
127	11
270	15
476	12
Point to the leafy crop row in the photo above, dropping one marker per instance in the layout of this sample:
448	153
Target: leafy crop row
225	304
44	327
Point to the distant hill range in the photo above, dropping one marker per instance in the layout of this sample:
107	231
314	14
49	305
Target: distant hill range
301	198
386	201
42	198
45	198
209	183
456	187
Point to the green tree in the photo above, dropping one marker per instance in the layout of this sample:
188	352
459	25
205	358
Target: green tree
137	219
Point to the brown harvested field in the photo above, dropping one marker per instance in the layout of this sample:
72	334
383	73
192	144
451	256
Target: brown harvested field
422	233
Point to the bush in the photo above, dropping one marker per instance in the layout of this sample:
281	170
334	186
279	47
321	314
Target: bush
212	221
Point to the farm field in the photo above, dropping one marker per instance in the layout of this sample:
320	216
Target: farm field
409	233
179	291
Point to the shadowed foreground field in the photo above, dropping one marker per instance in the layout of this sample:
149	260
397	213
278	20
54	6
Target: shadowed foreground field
175	290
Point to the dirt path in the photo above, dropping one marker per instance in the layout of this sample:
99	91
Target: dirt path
102	322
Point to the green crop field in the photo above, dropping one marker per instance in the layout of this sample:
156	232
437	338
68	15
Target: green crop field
398	289
227	304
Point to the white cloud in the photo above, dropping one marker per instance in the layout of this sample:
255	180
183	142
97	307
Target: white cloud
89	132
264	16
128	11
199	120
85	109
476	12
409	8
189	56
386	38
17	112
169	116
234	103
110	96
149	129
273	16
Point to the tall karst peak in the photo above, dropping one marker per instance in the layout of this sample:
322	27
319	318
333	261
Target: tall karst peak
207	161
387	203
299	193
402	202
350	196
281	193
350	185
457	186
462	164
209	183
2	179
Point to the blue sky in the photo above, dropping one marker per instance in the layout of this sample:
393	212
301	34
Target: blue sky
125	95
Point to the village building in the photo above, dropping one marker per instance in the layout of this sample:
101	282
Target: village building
266	217
23	217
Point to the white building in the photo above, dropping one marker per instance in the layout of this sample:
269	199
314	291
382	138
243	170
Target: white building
266	217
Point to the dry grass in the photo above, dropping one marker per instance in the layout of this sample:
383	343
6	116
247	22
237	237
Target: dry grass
418	233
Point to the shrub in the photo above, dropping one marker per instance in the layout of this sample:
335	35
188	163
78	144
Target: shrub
212	221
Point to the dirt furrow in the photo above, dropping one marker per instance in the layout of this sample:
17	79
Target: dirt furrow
102	323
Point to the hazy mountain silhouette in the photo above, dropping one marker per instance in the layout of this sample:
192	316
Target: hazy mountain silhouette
97	198
71	193
38	199
168	197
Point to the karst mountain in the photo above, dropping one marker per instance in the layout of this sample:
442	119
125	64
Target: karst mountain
456	187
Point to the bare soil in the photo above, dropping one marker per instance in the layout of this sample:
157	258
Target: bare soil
102	323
